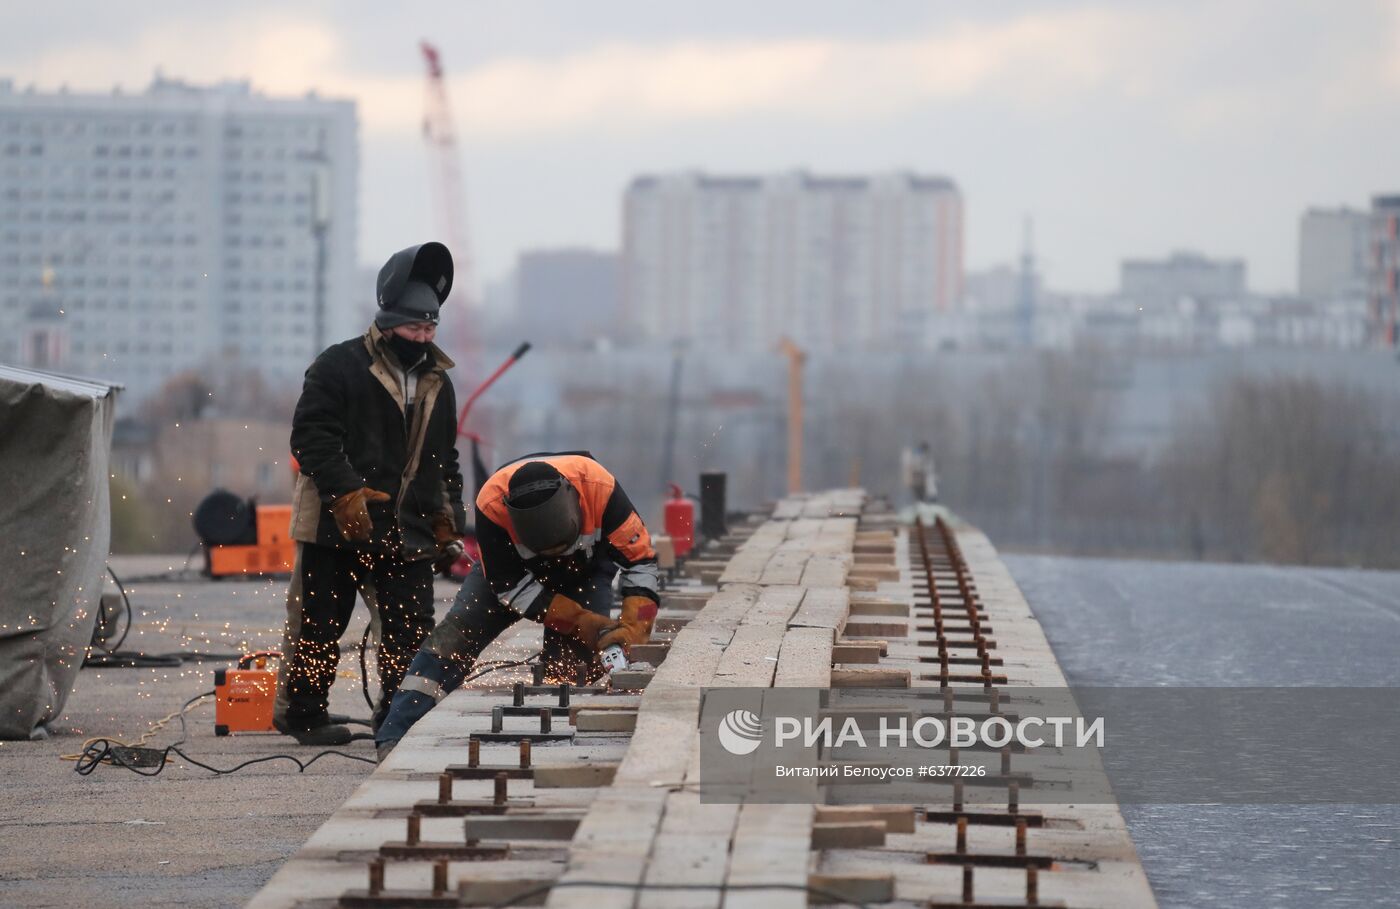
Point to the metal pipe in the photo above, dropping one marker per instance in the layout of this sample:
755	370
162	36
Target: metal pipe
490	380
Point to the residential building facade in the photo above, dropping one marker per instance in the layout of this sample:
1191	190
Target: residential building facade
834	263
1333	254
142	235
1384	296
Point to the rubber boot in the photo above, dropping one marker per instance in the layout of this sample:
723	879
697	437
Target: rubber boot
315	731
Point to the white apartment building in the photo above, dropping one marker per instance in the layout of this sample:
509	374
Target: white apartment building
142	235
1333	254
834	263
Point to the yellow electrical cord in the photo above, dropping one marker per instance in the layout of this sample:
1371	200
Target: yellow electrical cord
155	727
161	723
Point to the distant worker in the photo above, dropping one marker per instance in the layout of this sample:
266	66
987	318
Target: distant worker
378	502
554	530
918	473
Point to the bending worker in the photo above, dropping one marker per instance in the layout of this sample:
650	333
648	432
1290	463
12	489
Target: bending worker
378	499
554	531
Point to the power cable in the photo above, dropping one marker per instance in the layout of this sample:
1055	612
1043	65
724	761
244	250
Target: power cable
101	751
483	668
106	654
151	761
145	736
496	665
364	670
106	624
132	659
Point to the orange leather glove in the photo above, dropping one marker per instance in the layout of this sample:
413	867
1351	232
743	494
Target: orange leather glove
567	617
632	627
444	530
449	542
352	513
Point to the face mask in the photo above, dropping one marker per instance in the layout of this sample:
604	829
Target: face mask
408	352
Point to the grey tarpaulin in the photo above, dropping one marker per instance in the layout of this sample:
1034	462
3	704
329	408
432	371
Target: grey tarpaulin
55	527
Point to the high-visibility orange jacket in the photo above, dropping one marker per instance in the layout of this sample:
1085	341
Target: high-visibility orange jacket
609	528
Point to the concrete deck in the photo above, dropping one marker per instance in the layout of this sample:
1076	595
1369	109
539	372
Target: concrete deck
779	614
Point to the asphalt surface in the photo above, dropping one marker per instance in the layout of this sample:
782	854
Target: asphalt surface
188	837
1131	623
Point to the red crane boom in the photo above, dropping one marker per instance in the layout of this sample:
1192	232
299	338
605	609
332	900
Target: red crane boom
449	203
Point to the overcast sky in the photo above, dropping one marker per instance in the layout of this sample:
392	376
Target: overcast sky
1123	129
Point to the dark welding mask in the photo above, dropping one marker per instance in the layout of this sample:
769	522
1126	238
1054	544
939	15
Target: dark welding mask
413	285
545	514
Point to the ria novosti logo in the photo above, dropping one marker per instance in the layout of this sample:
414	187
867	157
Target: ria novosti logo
740	732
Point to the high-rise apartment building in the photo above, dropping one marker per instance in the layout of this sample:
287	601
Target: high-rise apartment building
833	263
1333	254
143	235
1385	269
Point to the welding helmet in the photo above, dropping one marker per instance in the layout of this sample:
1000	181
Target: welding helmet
413	285
543	507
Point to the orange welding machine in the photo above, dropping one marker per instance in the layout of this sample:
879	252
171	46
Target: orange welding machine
243	697
244	538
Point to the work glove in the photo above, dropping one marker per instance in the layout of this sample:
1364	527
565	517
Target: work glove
449	543
632	627
448	554
352	513
567	617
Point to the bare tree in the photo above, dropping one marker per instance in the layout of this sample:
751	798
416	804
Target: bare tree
1290	470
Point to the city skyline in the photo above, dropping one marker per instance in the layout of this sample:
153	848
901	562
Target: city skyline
150	232
1126	131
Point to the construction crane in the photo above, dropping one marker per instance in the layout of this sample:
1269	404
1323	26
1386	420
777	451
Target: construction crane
449	203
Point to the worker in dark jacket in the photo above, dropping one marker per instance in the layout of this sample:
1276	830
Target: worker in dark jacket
378	501
555	530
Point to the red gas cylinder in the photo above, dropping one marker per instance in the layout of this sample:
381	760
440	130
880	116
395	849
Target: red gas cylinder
680	521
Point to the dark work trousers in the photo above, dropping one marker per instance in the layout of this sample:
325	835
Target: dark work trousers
320	601
475	620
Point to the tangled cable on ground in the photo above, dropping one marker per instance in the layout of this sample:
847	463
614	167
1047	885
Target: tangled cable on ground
145	761
157	726
101	751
